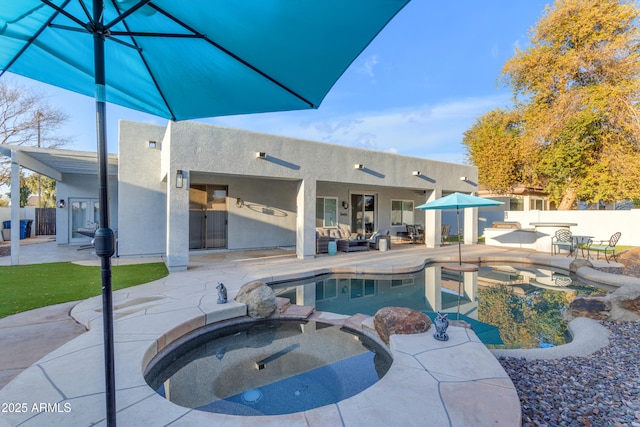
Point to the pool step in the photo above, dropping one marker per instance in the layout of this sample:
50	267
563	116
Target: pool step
284	308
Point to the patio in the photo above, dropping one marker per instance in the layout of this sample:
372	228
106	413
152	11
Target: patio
150	315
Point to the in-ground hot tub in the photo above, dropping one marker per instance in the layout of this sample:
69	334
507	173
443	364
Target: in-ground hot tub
267	367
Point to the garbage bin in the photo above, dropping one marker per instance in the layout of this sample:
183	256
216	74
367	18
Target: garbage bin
23	229
29	222
6	230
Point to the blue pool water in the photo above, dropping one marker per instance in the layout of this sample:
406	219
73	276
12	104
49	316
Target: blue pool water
526	303
319	387
267	368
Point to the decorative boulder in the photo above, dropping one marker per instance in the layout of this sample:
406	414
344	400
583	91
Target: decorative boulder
578	263
623	304
596	308
399	320
259	298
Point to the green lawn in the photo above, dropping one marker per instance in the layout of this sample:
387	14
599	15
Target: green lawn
25	287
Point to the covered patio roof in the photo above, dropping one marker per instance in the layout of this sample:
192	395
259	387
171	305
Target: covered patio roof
55	163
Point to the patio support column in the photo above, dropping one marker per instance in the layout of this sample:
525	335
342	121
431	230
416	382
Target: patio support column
15	209
432	221
306	295
433	287
306	219
470	226
471	284
177	222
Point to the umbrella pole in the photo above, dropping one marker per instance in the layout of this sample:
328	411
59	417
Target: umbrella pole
104	239
459	244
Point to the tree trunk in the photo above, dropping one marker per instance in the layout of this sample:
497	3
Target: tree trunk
568	199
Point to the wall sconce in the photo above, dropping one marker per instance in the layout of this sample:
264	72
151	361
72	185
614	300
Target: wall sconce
464	178
416	173
179	179
261	155
61	203
239	203
345	205
152	144
358	166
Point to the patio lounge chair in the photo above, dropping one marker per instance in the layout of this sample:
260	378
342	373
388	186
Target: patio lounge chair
562	238
606	246
416	233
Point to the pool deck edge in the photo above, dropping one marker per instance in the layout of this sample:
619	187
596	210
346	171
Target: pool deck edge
73	373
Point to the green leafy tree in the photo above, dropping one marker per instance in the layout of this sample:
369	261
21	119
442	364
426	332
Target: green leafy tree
576	91
494	145
43	186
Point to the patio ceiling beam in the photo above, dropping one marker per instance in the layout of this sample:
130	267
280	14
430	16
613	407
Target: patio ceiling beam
35	165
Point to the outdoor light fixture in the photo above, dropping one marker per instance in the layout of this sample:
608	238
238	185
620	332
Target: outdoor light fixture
345	205
463	178
179	179
358	166
261	155
416	173
152	144
62	203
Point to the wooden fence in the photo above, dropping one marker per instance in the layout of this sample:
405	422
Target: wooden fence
45	222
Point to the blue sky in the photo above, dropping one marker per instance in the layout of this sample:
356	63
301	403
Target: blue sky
414	91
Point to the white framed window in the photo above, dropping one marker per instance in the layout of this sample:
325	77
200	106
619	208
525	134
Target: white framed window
401	212
537	204
326	211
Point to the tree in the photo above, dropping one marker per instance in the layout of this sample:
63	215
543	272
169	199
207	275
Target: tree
576	91
26	119
494	146
42	186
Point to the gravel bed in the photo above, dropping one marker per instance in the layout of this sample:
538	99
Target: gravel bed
600	390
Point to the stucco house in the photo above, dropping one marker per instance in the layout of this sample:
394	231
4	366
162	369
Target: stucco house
190	186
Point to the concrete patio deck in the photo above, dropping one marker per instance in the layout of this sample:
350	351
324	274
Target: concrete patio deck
455	383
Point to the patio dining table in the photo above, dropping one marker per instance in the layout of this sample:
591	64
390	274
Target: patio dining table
580	242
89	232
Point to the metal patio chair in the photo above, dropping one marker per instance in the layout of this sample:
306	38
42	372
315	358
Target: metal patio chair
606	246
562	237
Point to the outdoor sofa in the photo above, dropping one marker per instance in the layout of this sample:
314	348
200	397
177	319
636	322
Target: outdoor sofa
324	235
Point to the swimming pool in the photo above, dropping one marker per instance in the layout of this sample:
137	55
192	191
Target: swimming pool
525	302
267	367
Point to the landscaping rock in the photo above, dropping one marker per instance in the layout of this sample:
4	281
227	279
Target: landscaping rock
259	298
577	263
625	303
592	307
399	320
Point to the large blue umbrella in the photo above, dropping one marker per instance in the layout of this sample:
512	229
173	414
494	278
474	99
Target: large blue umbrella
459	201
182	60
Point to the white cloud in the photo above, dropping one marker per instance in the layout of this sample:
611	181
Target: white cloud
368	66
429	131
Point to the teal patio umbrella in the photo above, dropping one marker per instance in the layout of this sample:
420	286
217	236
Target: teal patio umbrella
184	60
458	201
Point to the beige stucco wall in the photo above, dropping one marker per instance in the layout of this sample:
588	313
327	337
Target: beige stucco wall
279	191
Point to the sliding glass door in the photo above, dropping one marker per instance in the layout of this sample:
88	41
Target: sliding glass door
84	219
363	214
